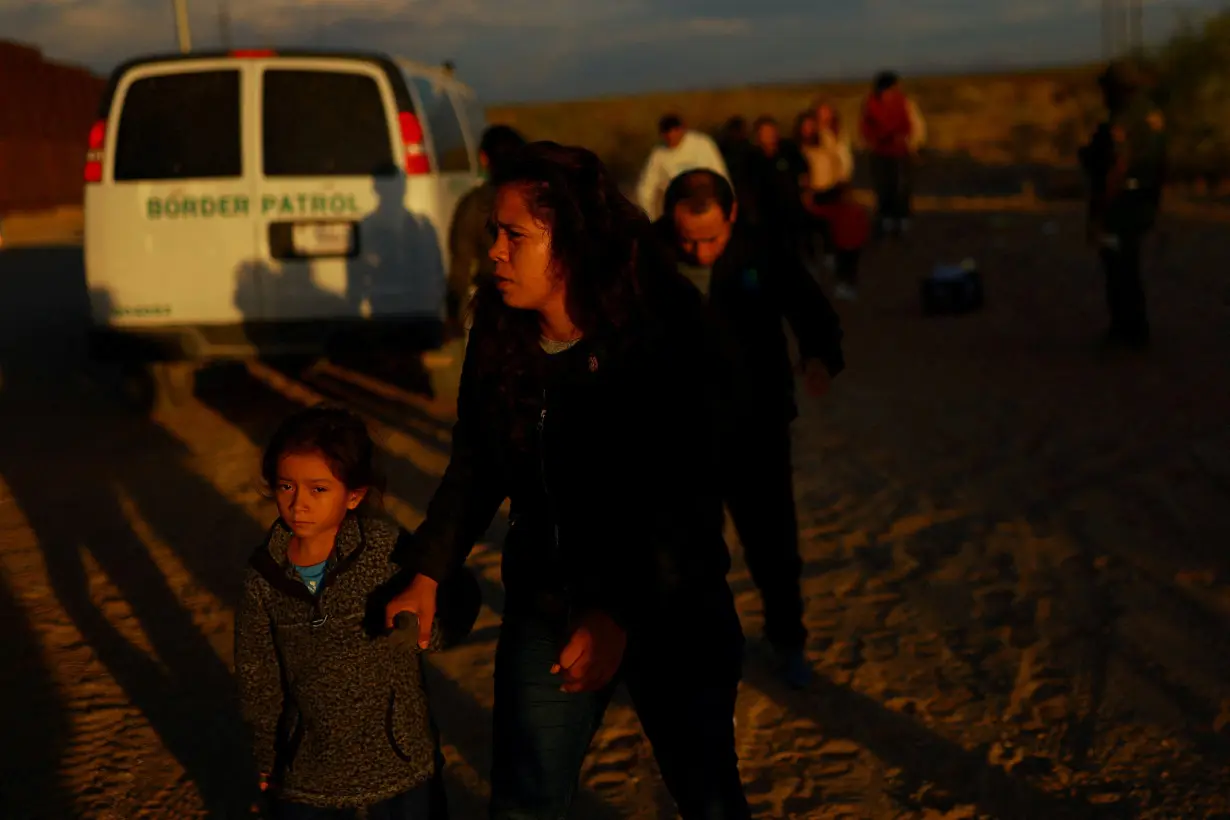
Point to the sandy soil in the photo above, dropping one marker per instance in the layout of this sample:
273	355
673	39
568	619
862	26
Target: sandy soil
1017	546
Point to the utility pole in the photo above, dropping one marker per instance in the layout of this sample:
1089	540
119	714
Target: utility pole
1108	35
1122	27
182	32
1123	34
1136	24
224	24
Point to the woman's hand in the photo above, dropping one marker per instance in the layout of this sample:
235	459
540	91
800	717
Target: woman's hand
419	598
593	653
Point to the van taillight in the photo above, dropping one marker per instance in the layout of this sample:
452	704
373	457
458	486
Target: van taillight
252	53
412	143
94	153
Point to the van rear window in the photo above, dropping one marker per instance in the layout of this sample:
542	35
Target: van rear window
325	123
446	135
180	126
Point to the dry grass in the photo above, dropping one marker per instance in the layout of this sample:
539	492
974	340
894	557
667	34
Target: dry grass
1007	119
59	226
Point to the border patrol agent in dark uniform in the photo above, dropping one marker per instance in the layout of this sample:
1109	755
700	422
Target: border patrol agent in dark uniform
1126	163
470	234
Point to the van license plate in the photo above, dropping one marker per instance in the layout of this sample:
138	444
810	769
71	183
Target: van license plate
323	239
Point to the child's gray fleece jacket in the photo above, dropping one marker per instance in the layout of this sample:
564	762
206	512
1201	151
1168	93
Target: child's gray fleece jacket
338	711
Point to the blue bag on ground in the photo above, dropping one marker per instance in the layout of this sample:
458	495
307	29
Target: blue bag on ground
952	289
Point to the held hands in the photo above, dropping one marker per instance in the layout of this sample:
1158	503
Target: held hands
816	378
419	598
592	655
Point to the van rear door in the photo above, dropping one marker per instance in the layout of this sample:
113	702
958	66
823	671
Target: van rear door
336	229
454	158
168	221
473	117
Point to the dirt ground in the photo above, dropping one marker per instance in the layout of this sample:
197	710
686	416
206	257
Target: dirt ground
1017	555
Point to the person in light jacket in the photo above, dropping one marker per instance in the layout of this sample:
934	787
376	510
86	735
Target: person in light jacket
682	149
830	160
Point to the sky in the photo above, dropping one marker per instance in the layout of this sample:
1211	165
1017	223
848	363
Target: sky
523	50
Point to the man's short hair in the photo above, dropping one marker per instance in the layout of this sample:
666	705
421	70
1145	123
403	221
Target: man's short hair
1124	77
886	80
499	142
698	191
762	121
669	123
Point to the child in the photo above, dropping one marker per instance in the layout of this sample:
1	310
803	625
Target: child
848	229
338	711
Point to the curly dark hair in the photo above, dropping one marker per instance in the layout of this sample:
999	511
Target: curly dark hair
604	246
341	439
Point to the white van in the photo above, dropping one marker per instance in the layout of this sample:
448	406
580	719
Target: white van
261	202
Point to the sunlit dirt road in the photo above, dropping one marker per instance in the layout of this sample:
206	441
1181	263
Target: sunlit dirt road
1017	547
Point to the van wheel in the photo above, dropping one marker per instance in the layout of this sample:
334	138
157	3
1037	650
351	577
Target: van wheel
135	388
142	388
128	384
174	383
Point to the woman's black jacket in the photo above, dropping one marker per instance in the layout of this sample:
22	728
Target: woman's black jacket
608	455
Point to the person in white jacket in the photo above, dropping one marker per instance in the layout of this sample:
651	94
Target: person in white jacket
826	147
681	150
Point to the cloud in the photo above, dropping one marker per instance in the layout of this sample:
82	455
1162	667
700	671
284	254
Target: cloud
525	49
285	15
716	26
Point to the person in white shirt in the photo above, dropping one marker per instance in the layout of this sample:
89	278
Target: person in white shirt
682	150
830	159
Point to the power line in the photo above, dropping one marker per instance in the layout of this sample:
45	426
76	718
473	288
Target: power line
183	32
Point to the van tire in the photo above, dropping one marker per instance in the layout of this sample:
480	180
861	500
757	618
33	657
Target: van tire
136	388
144	387
129	385
174	383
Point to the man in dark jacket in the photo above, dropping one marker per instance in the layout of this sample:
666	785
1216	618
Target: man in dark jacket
751	284
1126	164
774	170
469	235
735	144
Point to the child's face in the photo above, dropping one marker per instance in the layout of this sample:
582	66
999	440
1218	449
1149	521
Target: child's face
310	499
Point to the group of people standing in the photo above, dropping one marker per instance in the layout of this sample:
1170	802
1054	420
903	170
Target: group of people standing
799	187
626	380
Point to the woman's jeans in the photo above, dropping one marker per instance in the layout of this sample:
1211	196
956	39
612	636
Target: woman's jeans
542	734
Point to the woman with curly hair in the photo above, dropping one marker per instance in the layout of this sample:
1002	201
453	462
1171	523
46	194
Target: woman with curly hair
590	398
